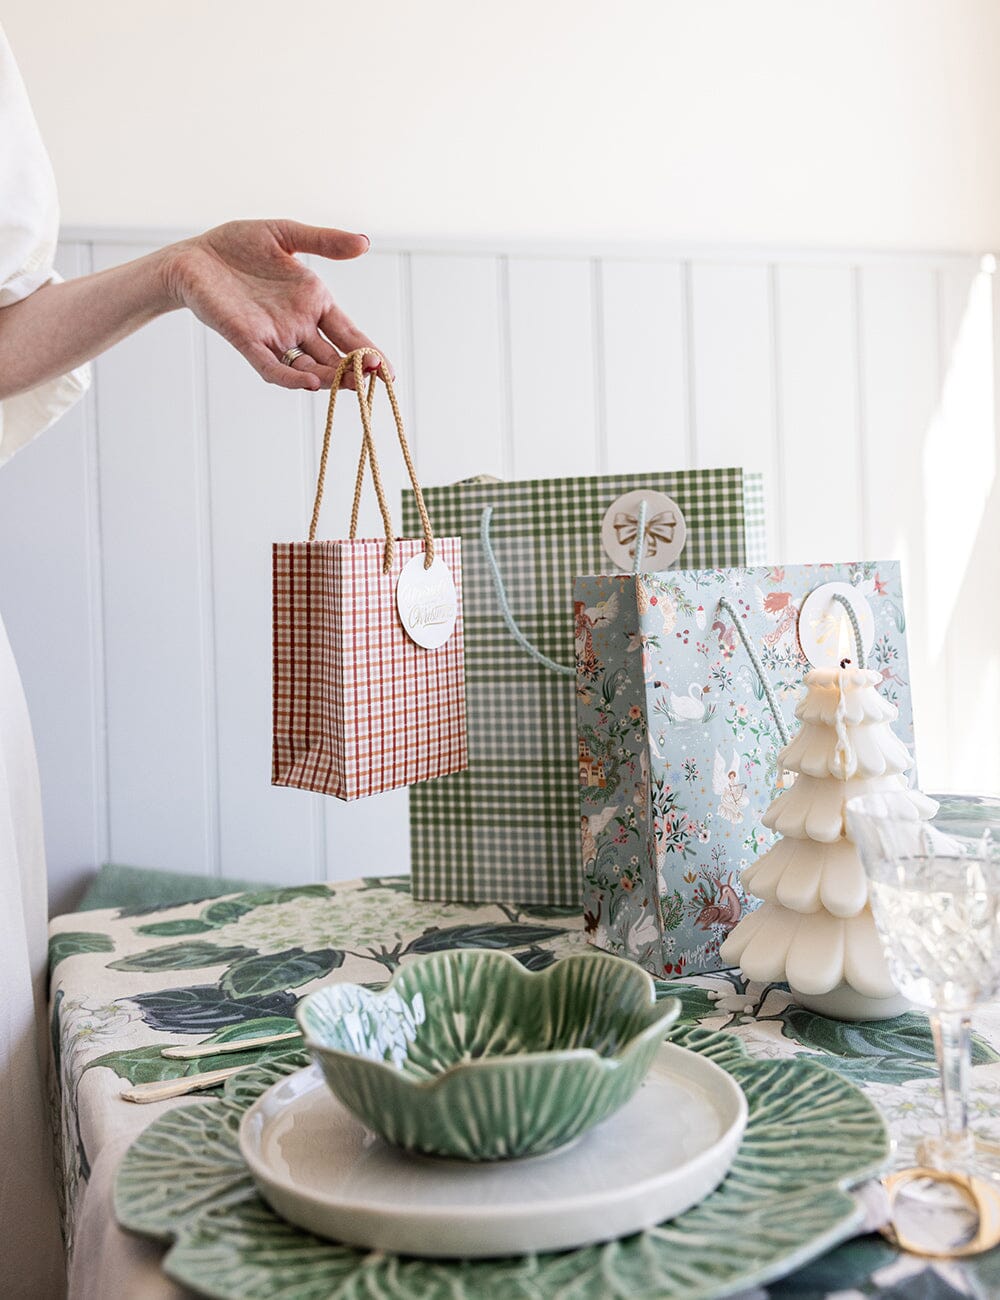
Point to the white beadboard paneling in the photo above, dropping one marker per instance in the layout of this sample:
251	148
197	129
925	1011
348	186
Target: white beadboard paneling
135	537
552	358
901	391
258	475
456	380
368	837
816	335
372	290
644	366
963	496
733	389
50	598
161	773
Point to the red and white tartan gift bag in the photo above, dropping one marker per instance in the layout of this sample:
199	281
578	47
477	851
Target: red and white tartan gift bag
362	702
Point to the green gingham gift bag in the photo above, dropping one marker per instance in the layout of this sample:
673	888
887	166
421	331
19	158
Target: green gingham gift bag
508	827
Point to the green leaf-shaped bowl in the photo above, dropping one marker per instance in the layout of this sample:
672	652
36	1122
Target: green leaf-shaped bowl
467	1054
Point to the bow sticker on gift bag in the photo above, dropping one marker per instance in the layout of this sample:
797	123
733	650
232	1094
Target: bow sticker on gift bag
369	666
663	528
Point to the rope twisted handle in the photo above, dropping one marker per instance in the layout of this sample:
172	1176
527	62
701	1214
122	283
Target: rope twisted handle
505	609
859	641
748	646
355	361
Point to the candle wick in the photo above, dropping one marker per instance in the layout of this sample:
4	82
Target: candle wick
844	755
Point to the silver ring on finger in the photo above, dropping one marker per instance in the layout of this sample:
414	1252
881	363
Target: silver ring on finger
288	357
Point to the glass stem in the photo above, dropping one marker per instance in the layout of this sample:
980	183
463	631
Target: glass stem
951	1043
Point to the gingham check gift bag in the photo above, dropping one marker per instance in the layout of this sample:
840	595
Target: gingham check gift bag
369	673
509	826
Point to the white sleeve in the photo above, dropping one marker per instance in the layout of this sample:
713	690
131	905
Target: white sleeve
29	228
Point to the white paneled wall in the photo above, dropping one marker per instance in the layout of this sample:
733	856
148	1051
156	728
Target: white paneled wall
135	537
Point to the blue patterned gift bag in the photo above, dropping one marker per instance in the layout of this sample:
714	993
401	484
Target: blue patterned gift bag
677	741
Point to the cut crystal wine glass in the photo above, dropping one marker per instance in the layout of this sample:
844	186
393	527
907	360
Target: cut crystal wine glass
934	888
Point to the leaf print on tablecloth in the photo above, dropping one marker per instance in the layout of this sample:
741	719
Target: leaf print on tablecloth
70	943
535	958
181	956
54	1033
484	935
399	884
864	1070
695	1002
889	1051
928	1284
263	895
148	1065
259	976
170	929
203	1008
547	911
230	909
260	1028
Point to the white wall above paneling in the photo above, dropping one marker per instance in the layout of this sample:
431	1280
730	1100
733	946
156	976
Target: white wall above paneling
861	122
135	537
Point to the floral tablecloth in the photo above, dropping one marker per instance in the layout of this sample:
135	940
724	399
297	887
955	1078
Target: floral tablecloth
126	984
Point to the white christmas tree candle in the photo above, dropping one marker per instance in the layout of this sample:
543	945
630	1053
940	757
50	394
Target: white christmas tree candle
814	928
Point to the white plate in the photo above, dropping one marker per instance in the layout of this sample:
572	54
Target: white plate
668	1148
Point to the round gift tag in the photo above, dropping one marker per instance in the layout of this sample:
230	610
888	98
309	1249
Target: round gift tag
825	632
664	537
427	602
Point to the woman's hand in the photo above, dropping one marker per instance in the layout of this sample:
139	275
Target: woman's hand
244	281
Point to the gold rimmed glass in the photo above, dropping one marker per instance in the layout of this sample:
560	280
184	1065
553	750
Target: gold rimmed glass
935	896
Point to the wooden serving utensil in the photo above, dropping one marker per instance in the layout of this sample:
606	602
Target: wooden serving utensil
191	1053
162	1089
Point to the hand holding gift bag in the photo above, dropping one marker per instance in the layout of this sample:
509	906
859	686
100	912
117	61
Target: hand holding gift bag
369	666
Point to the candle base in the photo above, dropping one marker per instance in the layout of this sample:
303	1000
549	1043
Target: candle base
845	1003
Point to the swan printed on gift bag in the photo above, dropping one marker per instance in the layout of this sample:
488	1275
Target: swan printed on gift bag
691	707
733	798
643	931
